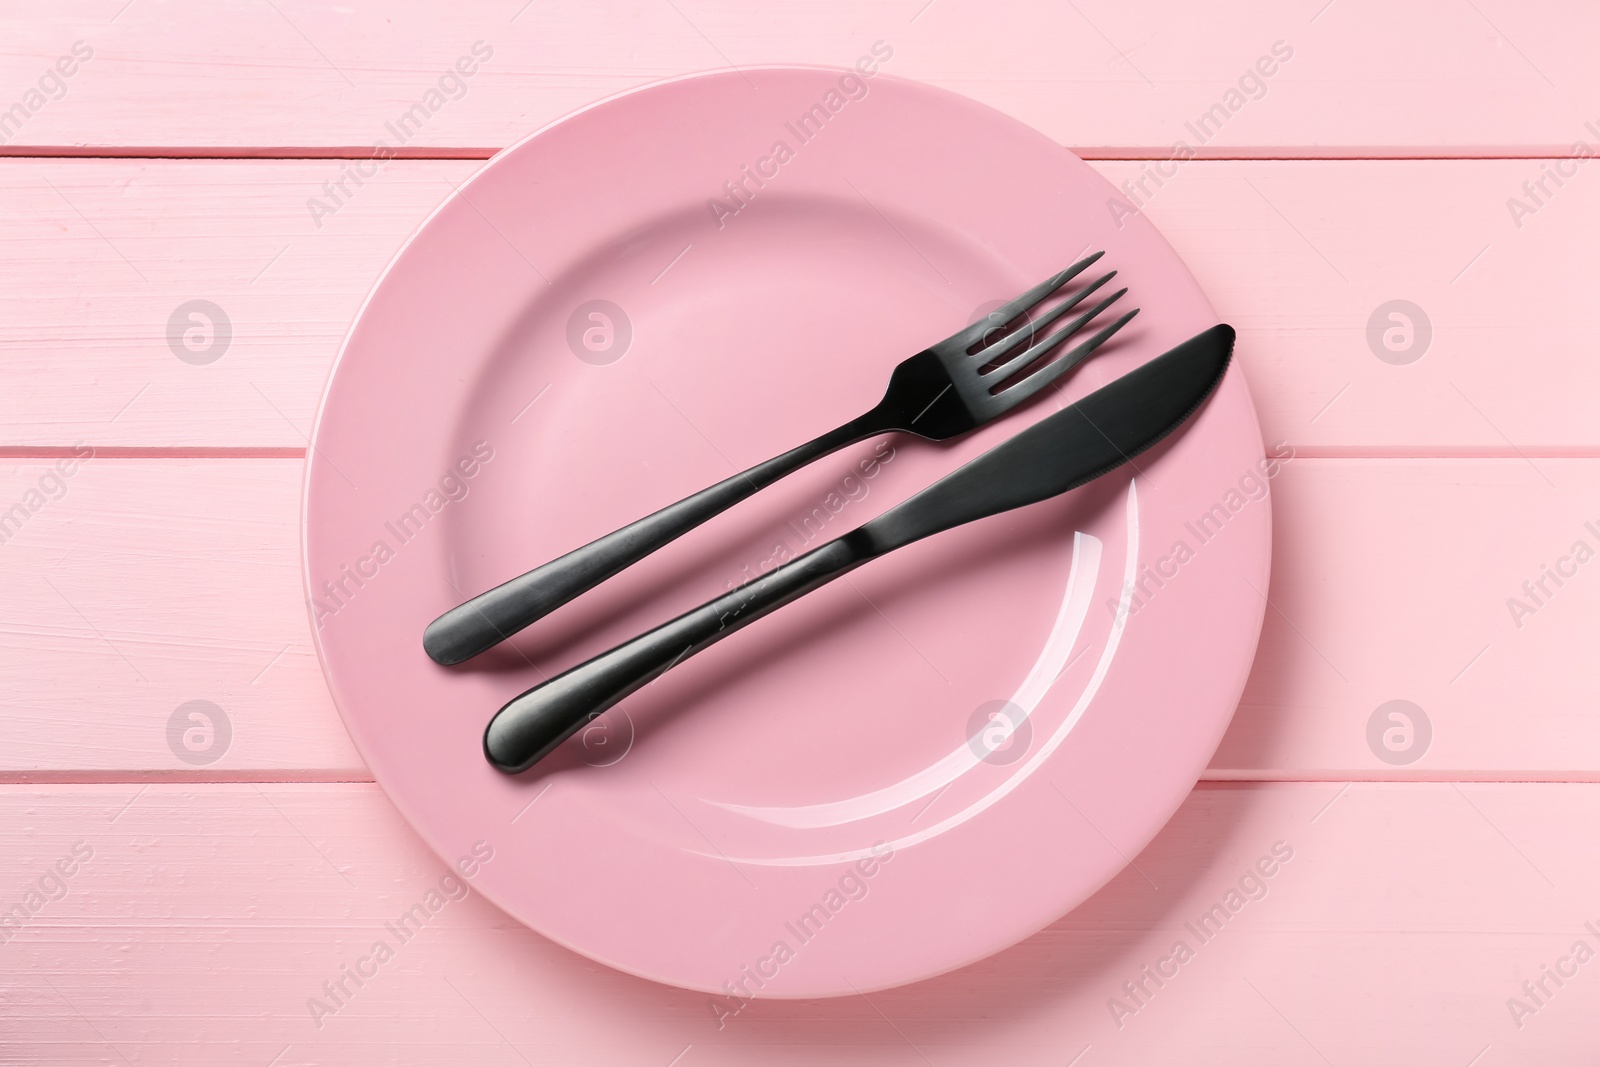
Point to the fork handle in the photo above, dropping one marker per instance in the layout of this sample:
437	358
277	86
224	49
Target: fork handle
530	727
491	617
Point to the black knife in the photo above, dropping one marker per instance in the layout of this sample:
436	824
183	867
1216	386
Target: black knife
1060	452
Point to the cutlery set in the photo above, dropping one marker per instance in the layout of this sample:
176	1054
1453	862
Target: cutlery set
970	379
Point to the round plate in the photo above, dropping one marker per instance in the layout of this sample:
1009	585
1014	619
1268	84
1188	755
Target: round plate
910	768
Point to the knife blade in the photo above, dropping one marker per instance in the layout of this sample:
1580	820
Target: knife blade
1060	452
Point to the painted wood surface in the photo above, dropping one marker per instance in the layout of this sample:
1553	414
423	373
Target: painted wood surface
1427	532
204	923
1392	580
1362	77
97	256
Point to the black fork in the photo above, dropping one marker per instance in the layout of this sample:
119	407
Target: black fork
972	377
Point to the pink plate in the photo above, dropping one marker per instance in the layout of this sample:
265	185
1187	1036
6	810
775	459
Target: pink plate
677	283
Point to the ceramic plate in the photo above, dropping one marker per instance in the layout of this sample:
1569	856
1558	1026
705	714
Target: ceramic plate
905	771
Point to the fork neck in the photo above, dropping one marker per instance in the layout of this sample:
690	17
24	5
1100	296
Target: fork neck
871	424
879	420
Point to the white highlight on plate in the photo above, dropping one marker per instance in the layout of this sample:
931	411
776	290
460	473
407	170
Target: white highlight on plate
1058	646
1113	642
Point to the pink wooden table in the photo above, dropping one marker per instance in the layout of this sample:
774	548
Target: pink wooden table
184	900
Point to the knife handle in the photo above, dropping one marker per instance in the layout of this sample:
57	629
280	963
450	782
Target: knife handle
491	617
531	726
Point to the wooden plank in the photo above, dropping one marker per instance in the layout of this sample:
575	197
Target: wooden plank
136	588
1363	76
99	258
1299	255
1393	580
1404	919
153	583
1304	256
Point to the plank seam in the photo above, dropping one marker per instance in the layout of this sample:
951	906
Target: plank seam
1160	153
1210	780
103	452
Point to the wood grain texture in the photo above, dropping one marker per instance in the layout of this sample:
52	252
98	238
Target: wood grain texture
1365	77
96	256
153	583
1404	919
137	587
1392	580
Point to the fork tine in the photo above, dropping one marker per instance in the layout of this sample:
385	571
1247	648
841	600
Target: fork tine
1008	312
1004	348
1040	351
1045	375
